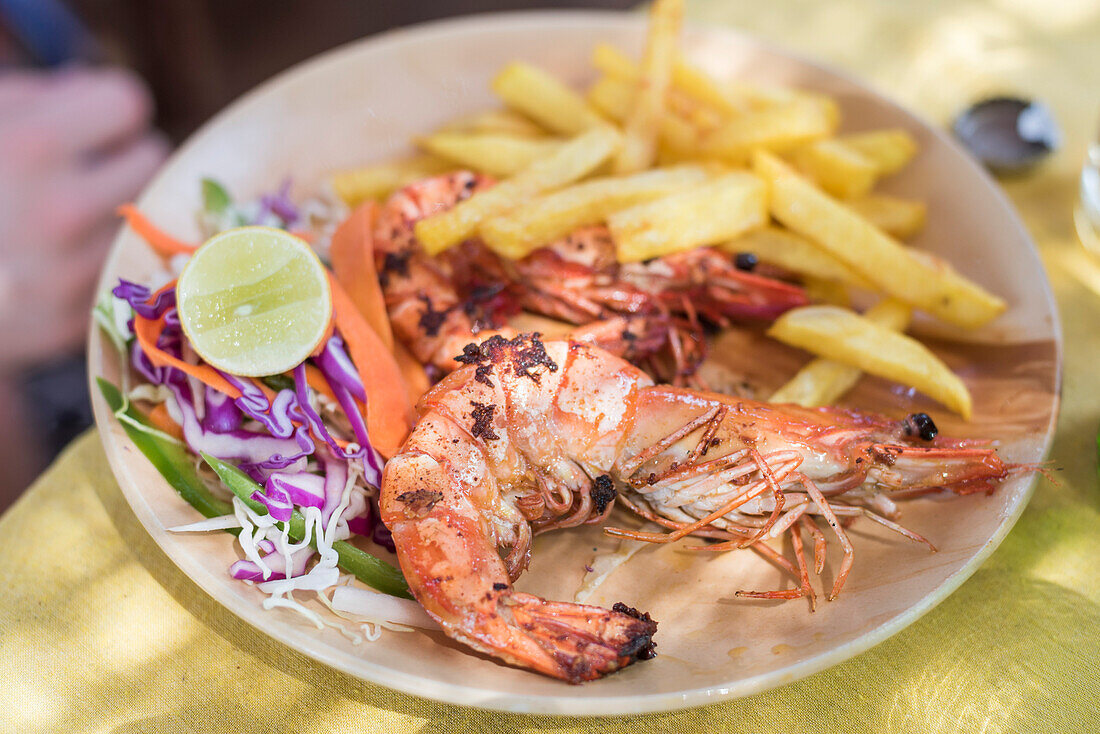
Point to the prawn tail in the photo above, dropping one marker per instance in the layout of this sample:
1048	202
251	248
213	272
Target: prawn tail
583	642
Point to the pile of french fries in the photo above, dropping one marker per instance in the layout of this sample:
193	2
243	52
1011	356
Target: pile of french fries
670	159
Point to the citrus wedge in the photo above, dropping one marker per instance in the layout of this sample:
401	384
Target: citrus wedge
254	301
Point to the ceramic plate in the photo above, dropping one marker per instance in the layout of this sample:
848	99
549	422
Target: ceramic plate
360	104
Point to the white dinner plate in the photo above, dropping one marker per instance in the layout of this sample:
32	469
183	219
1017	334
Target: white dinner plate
362	103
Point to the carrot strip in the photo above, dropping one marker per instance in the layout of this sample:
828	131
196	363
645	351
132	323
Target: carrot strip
162	243
317	381
416	378
389	413
262	387
352	256
160	419
147	331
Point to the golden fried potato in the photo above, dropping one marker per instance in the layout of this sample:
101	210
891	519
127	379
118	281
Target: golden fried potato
760	96
700	86
545	99
890	150
498	122
704	214
514	234
897	217
378	181
496	154
639	148
780	127
692	95
794	252
613	96
837	168
822	290
574	160
845	336
824	381
891	267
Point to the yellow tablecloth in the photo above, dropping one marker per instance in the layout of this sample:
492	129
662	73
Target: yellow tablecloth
100	632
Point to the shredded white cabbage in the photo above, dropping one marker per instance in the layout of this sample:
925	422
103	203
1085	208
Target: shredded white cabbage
324	574
253	530
150	393
111	314
323	214
372	606
222	522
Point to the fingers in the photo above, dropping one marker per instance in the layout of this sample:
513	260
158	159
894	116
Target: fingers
73	145
79	112
81	273
89	195
46	311
18	88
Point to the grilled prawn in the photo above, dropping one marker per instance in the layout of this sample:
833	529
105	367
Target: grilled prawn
634	311
530	436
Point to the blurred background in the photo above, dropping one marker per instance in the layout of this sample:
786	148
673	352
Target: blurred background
199	55
93	96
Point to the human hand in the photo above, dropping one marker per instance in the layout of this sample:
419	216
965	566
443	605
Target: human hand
74	145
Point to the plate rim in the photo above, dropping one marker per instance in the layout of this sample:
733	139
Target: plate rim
304	641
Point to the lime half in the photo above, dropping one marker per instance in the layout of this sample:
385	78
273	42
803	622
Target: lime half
254	301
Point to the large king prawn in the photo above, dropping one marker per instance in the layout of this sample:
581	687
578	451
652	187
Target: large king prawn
529	436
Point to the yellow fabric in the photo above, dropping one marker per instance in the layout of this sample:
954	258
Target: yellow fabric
100	632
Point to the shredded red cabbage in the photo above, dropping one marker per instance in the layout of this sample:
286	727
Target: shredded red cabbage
138	295
336	477
334	363
372	462
277	502
369	525
279	204
248	571
238	445
289	423
303	489
222	414
364	451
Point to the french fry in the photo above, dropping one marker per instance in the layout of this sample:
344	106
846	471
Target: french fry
822	290
545	99
539	221
897	217
699	85
612	97
495	154
890	149
500	122
893	269
354	186
573	160
777	128
693	95
639	148
794	252
845	336
837	168
703	214
759	96
823	381
610	60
